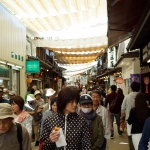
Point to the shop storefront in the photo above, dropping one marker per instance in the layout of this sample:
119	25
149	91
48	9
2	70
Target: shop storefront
12	53
9	78
130	64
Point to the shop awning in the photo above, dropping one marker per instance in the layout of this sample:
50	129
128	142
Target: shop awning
141	35
123	16
126	58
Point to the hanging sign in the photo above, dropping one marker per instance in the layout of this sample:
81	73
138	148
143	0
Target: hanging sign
111	53
119	80
32	66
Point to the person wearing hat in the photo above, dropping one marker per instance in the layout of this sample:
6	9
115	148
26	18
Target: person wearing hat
50	93
32	107
8	131
38	98
2	100
12	94
94	121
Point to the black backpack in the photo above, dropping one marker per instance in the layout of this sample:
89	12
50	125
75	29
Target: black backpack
19	134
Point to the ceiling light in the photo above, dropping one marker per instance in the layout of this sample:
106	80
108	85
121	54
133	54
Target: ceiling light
10	64
2	62
19	67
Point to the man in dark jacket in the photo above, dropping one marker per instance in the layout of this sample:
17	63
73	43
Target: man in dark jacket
115	112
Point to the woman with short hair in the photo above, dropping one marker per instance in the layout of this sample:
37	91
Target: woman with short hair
74	127
23	117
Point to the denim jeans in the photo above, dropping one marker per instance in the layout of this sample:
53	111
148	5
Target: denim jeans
117	116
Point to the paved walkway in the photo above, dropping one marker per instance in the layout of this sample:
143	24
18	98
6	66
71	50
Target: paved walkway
118	143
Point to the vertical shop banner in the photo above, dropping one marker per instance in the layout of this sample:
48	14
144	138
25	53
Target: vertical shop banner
145	85
59	84
135	78
120	83
111	57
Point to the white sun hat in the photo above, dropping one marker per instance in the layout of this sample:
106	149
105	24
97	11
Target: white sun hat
6	111
50	92
37	92
12	93
30	97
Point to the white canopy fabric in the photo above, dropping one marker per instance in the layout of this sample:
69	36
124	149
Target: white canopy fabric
75	69
72	43
73	26
59	18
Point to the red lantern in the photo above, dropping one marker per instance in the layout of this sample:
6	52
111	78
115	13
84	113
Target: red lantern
29	80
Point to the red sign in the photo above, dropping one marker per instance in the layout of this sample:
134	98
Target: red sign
119	80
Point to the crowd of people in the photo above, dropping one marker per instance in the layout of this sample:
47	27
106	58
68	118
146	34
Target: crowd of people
68	120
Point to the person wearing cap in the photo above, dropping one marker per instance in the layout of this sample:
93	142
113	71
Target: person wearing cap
32	107
8	131
2	100
94	121
12	94
38	98
104	113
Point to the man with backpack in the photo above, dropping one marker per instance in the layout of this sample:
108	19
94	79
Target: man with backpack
116	109
13	136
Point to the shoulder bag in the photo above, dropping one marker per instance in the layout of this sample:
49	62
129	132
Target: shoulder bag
113	103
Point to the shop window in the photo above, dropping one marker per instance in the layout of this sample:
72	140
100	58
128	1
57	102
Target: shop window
15	56
12	54
15	81
4	71
18	57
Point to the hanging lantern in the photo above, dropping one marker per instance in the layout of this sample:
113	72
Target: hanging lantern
29	80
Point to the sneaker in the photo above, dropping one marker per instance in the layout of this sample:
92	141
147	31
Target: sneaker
37	143
112	136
